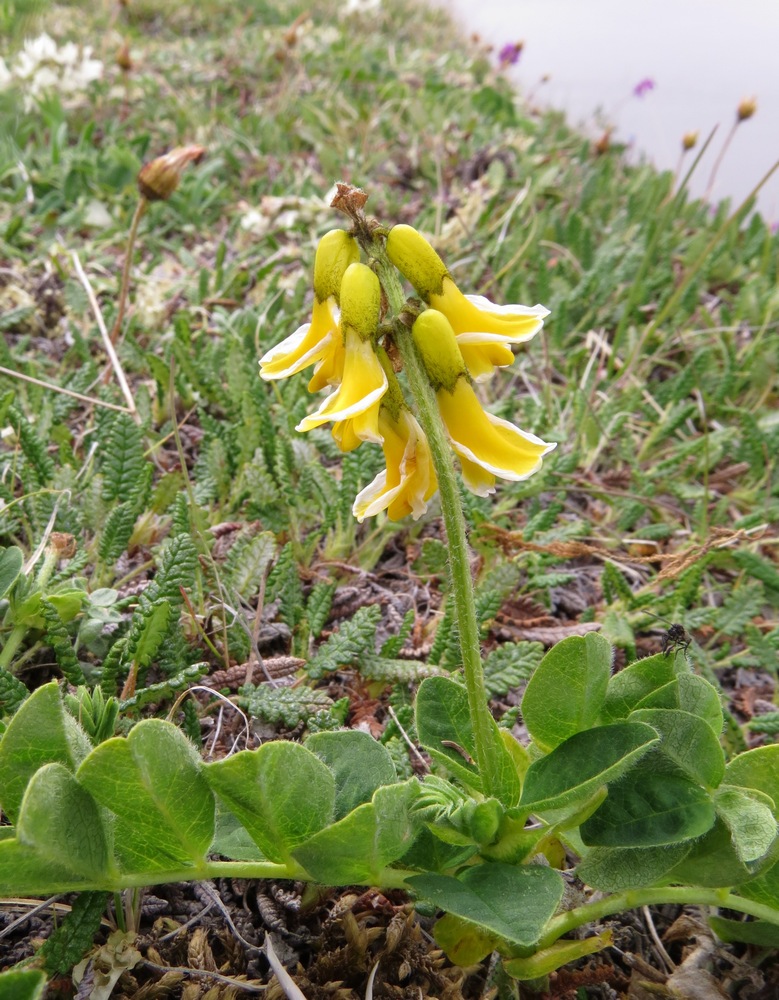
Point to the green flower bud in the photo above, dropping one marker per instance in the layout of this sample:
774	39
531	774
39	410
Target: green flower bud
413	256
336	251
437	345
360	300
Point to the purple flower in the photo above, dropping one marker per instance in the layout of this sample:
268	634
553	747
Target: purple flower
644	86
510	53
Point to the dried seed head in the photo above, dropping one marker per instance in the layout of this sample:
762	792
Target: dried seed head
123	59
746	108
160	177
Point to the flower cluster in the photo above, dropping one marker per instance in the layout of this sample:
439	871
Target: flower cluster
459	339
44	67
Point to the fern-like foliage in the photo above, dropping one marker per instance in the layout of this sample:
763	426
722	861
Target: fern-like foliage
318	605
122	459
167	689
510	665
58	637
12	692
354	640
248	561
392	646
615	586
284	585
116	531
33	448
286	705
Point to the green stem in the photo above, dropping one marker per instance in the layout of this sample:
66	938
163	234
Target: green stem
635	898
140	208
12	643
490	752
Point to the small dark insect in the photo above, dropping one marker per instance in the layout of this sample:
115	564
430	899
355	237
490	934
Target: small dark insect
676	636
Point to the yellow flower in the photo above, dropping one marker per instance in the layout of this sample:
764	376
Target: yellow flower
409	481
486	445
358	370
320	340
310	343
483	329
358	397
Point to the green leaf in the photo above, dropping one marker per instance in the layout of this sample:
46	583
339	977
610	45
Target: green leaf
443	717
359	765
749	817
713	862
614	869
513	902
578	767
764	888
631	685
61	821
22	984
41	732
647	809
691	694
70	941
11	561
354	637
152	781
578	666
757	932
758	768
152	634
547	960
282	793
359	847
688	741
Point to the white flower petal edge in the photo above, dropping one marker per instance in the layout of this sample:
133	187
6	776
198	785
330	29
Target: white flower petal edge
289	346
465	452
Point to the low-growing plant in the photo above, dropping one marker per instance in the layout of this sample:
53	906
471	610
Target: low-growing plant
622	771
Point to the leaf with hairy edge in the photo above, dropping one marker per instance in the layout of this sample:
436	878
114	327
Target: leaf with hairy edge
691	694
361	845
749	817
512	902
758	768
61	821
713	862
359	765
282	793
614	869
647	809
688	741
11	562
578	767
443	718
631	685
152	781
41	732
580	667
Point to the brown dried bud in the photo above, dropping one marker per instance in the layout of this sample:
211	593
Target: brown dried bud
349	200
689	141
123	58
746	108
63	544
159	178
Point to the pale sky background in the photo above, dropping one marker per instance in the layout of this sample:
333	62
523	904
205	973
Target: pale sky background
704	56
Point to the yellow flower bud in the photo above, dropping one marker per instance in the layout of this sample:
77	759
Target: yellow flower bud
336	251
437	345
746	108
360	300
413	256
689	141
159	178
